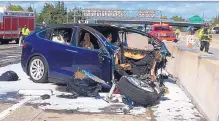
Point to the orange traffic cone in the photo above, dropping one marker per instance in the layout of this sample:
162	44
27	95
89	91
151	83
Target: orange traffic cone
190	45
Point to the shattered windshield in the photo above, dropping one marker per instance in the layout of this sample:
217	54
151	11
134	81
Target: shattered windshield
139	40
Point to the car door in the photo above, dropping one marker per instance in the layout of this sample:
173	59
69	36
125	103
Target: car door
59	57
95	61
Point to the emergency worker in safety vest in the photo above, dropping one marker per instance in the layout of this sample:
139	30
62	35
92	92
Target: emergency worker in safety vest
177	32
205	38
24	33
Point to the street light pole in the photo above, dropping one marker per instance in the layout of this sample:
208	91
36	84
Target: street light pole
160	17
67	16
74	15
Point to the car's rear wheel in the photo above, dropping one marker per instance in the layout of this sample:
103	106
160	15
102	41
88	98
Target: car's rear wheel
38	70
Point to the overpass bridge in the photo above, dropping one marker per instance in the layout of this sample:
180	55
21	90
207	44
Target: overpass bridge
144	17
150	22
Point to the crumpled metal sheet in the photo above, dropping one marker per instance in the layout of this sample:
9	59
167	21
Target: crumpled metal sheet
84	87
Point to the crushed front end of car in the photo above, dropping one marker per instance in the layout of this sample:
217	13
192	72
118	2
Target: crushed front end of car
135	73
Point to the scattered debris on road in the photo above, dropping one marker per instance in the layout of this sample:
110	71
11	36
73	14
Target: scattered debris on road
9	76
176	97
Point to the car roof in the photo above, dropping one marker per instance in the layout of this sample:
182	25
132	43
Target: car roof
106	25
91	25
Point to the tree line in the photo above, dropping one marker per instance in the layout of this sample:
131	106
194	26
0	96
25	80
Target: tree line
215	20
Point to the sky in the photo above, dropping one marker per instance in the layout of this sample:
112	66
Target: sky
185	9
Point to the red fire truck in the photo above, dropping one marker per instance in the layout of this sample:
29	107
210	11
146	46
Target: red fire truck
11	23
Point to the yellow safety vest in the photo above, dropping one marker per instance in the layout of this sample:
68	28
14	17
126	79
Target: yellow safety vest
201	35
177	31
25	32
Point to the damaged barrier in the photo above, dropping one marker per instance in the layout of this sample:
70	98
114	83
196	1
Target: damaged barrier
198	77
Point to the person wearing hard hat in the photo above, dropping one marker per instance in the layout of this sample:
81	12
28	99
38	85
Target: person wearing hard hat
205	38
24	33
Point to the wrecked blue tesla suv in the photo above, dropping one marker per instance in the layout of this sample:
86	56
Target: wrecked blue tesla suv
56	53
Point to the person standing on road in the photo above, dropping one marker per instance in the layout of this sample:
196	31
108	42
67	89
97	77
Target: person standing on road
192	31
24	33
205	38
188	30
177	32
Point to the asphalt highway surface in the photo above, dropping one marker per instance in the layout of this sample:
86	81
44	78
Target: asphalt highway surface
9	54
174	106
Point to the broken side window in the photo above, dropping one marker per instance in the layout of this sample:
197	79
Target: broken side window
62	35
137	40
88	40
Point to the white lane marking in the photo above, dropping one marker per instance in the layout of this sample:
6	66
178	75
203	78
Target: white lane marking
35	92
13	108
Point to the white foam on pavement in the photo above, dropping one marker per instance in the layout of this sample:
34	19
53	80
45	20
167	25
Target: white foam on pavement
81	104
176	107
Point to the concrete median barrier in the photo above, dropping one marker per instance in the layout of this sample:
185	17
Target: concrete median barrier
215	38
199	77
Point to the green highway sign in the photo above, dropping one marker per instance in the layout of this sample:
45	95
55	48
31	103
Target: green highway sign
196	19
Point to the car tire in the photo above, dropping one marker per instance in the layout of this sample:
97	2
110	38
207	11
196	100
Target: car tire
144	97
42	69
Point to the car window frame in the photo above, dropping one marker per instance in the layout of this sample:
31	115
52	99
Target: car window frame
52	30
152	40
102	48
72	34
45	30
124	36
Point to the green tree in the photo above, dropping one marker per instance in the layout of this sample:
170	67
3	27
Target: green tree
45	14
164	17
14	7
30	9
177	18
215	20
57	14
60	13
77	13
